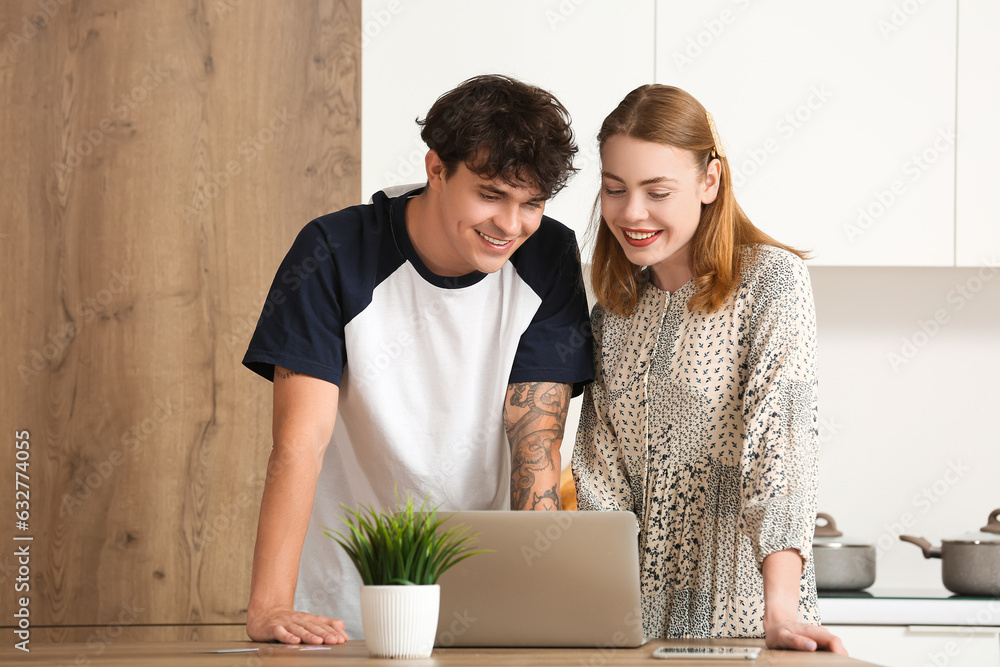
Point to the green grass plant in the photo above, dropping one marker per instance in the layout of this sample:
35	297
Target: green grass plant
403	547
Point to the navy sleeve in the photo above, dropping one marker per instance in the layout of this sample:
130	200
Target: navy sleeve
301	326
558	344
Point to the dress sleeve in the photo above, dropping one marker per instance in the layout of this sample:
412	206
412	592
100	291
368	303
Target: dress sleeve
779	461
598	469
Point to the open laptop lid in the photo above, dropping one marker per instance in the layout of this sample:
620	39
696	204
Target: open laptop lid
567	579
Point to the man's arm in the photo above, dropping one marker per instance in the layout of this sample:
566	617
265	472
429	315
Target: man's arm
305	410
534	416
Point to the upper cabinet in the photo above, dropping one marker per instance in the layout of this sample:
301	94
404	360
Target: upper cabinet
977	222
588	54
838	119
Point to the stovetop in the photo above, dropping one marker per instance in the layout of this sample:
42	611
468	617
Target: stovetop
877	593
907	606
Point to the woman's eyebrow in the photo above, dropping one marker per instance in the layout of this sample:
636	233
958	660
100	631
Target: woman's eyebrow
648	181
659	179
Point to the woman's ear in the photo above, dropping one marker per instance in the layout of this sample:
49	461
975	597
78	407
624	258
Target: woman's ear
710	184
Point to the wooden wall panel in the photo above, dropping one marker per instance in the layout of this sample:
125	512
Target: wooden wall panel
159	158
96	637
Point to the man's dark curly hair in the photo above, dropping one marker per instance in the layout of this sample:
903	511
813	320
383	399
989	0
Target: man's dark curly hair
502	128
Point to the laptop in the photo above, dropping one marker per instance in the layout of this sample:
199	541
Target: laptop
553	579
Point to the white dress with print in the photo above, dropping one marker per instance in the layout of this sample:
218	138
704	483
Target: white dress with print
705	426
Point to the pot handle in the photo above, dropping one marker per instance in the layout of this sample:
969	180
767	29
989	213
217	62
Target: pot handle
828	529
993	525
925	546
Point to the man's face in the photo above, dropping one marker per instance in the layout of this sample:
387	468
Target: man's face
482	221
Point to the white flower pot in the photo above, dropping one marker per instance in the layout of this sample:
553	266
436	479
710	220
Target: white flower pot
400	621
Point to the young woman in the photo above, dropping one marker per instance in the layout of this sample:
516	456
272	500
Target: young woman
702	416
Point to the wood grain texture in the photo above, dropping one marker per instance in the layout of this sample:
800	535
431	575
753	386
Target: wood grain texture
95	635
356	653
160	158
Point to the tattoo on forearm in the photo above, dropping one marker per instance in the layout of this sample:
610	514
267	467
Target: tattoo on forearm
534	418
283	373
549	500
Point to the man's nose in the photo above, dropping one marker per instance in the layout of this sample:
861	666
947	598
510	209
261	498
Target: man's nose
509	221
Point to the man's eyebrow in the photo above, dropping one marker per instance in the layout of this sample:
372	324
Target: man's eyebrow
648	181
504	193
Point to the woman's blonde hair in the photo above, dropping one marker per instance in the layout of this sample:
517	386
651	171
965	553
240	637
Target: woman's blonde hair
671	116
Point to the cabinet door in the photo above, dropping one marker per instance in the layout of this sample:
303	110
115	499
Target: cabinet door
977	233
906	646
588	54
838	118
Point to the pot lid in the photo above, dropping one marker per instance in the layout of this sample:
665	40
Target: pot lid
826	534
989	533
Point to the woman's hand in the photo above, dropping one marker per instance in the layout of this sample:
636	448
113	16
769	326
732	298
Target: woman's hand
796	636
285	625
782	629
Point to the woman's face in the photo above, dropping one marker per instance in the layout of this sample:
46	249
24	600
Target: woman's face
651	200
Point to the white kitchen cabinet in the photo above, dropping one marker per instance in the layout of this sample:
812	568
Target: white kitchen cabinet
589	54
838	118
978	170
918	646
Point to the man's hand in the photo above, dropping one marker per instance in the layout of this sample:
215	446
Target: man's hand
305	410
292	627
534	417
803	637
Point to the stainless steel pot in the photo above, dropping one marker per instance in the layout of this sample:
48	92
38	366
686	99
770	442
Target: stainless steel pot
841	564
970	563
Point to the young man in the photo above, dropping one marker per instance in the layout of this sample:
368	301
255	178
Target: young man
409	341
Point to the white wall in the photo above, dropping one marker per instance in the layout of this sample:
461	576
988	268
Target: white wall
909	407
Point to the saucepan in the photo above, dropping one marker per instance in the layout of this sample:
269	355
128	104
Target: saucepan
970	563
842	564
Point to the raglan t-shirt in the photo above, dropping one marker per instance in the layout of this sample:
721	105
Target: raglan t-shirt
422	362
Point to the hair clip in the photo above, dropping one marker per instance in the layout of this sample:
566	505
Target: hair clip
717	148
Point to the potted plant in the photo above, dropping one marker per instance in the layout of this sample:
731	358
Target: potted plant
400	555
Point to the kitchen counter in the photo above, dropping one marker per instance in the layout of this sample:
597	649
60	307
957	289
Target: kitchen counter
893	606
193	654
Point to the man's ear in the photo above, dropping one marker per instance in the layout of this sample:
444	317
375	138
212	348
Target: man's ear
437	173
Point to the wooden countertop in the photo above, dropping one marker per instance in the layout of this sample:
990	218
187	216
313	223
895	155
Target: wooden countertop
191	654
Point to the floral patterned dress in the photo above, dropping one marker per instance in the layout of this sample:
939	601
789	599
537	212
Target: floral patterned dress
705	426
